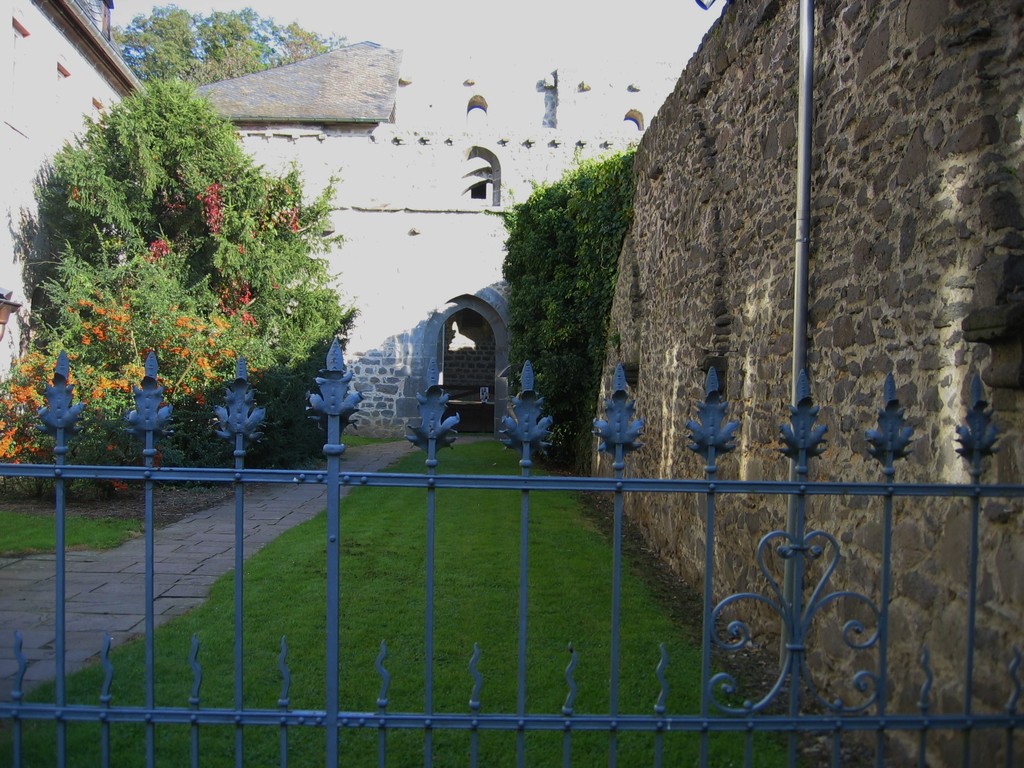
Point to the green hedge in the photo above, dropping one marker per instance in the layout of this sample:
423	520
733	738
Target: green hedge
563	249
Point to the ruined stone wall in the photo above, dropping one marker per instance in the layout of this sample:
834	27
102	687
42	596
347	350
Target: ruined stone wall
470	367
916	228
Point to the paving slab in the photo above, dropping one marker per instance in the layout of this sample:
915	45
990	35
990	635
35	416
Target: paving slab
104	591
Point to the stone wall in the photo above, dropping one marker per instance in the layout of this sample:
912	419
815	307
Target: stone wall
916	236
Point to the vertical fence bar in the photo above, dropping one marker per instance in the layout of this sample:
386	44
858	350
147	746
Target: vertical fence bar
977	439
60	613
709	560
17	695
333	586
193	700
59	419
525	431
149	421
524	561
710	435
335	406
613	685
434	431
148	453
382	706
887	444
239	489
618	433
803	441
428	672
238	422
283	702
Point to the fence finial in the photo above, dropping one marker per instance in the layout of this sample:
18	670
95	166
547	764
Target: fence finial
433	425
977	437
148	416
528	427
619	428
239	416
60	412
892	438
803	440
334	398
711	433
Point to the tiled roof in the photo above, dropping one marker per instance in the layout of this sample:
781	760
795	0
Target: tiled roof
357	83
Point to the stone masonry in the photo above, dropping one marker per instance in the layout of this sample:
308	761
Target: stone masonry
916	254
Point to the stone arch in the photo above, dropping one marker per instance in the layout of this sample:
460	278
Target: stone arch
486	177
485	319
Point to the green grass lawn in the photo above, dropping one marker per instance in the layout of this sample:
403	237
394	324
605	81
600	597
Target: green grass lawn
24	533
382	586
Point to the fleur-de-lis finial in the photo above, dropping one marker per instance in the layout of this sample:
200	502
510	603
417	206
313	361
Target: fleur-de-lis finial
892	438
148	415
60	412
619	428
528	427
239	416
977	437
334	398
711	432
803	440
433	425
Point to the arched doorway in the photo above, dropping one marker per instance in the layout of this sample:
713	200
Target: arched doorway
476	325
467	366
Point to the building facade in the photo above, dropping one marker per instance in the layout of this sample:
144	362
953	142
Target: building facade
427	156
61	69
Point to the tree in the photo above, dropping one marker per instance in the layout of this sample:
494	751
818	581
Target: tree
561	265
165	236
172	43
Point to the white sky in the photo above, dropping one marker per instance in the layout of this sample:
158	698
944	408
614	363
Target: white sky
665	30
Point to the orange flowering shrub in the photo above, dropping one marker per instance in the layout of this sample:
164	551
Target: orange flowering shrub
21	396
108	327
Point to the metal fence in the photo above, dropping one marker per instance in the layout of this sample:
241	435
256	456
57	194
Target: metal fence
794	707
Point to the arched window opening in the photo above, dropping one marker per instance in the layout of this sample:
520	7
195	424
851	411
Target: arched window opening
636	118
485	175
476	111
477	103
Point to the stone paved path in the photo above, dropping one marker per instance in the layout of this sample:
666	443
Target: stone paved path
105	591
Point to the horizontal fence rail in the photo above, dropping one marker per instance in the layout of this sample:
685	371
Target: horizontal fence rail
793	705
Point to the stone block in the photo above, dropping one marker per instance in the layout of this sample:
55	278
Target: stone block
1001	209
875	52
924	17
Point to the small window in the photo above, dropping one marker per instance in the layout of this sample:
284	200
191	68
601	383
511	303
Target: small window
485	175
62	71
19	28
636	118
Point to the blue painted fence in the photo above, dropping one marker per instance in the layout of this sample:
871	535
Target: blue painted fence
795	604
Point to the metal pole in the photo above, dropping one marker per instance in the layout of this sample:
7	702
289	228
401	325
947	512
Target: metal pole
805	120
